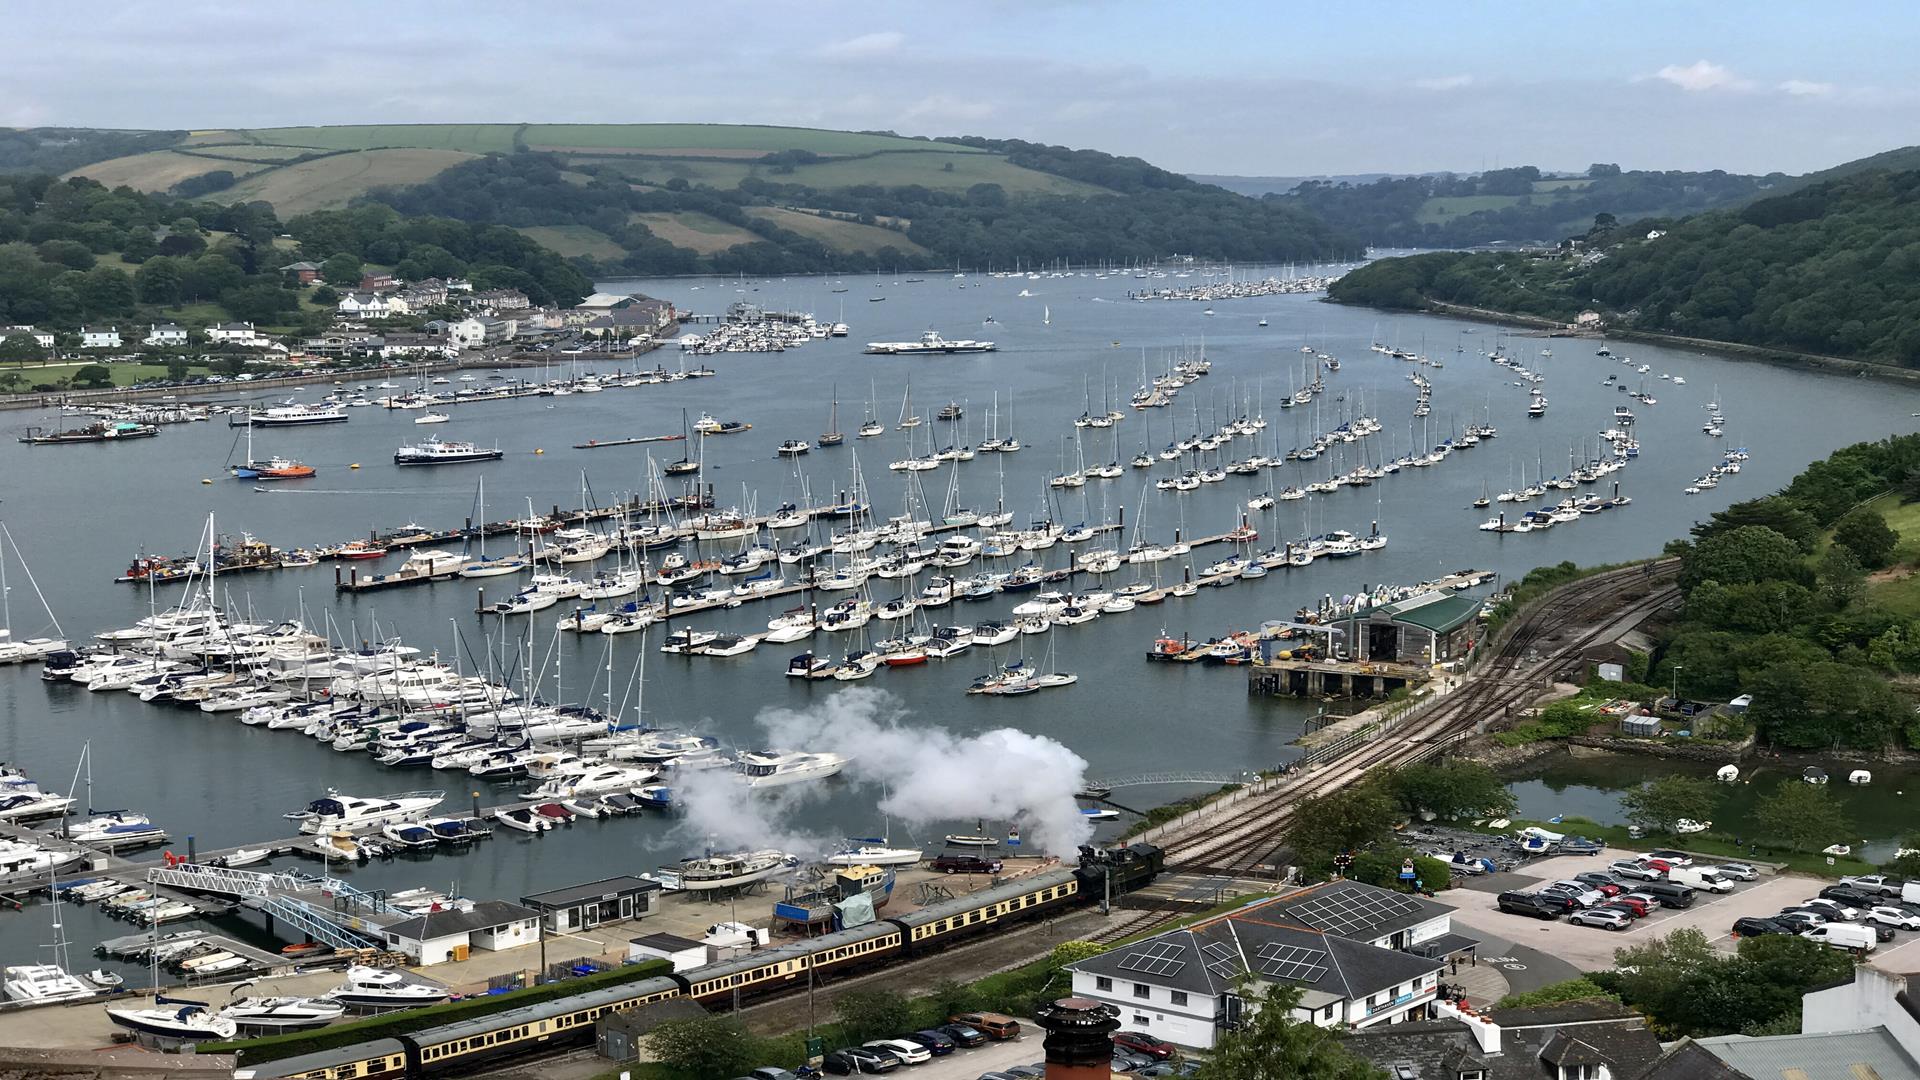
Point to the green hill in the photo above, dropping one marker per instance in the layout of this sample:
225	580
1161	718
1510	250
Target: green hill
1831	269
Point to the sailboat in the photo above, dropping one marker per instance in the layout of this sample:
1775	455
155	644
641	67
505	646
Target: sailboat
832	436
907	417
278	468
1046	315
12	651
482	566
685	464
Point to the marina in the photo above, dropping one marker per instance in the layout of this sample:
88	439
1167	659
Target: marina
1200	549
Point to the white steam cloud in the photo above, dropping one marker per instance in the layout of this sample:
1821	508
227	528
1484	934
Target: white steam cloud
930	775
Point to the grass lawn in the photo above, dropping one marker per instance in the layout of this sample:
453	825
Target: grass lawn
836	233
1897	589
123	374
572	240
331	182
692	138
1437	210
158	170
696	231
471	138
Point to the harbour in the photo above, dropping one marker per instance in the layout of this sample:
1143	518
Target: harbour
218	785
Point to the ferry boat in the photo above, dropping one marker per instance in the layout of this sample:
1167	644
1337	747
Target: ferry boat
436	451
337	811
289	414
119	431
930	342
707	425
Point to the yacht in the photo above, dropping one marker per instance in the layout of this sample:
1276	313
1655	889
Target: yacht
724	870
435	451
175	1018
868	853
338	811
777	768
42	983
276	1014
379	988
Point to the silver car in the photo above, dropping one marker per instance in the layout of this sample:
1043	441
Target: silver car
1738	871
1897	918
1604	918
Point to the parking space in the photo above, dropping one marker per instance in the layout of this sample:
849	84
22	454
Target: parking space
1590	948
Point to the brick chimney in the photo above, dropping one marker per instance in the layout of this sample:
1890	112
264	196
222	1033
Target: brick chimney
1078	1043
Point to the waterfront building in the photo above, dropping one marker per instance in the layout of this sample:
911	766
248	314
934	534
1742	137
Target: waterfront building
595	903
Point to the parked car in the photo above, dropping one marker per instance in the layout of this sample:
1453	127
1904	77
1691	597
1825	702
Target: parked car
1581	896
1126	1061
1629	910
965	1034
965	864
905	1049
1031	1072
1850	896
1898	918
1751	926
1881	884
1841	935
1604	918
997	1026
1811	916
1534	904
1834	909
1669	894
859	1059
1638	903
1633	869
1142	1043
1738	871
1671	857
1170	1069
997	1076
935	1040
1798	921
1593	879
771	1072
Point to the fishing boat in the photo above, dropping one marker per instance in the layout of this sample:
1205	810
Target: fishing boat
792	448
707	425
435	451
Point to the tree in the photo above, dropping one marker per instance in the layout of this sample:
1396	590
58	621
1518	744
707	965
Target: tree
1344	820
1906	863
1867	535
158	281
20	349
1775	512
1596	171
177	367
11	381
1686	987
325	294
1451	790
1660	804
1803	817
703	1048
92	377
1576	989
341	269
1839	575
872	1014
1270	1044
1741	556
261	303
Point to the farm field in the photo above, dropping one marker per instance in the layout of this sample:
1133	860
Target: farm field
158	170
331	182
469	138
573	240
694	139
251	152
698	232
837	234
1439	209
928	168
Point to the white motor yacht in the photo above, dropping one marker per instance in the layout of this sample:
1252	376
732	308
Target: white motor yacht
777	768
380	988
337	811
43	983
174	1018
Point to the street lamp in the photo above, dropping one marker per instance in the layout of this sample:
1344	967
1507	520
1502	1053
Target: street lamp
1676	685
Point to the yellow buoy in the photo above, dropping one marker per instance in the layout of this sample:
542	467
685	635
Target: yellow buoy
204	480
537	450
355	465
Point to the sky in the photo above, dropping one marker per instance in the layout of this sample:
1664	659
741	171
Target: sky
1238	86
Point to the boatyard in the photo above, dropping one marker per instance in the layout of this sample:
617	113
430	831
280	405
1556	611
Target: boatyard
538	670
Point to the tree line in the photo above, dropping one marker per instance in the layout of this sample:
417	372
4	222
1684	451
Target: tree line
1831	268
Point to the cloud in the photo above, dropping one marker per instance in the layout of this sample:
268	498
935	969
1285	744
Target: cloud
1806	88
1444	82
866	46
1702	75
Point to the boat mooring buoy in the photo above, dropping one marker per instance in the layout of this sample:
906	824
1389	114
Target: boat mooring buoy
205	480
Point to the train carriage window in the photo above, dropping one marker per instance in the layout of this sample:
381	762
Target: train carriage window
349	1071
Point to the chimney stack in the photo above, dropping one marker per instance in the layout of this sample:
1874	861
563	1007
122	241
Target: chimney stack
1079	1038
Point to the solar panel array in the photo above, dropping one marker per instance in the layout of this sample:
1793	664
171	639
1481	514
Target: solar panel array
1222	960
1352	913
1162	958
1291	962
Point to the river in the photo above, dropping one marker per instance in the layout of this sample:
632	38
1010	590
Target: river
80	513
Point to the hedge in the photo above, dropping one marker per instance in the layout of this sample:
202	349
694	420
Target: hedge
275	1047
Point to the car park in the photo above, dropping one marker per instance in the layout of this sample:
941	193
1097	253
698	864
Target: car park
1604	918
1738	871
964	1034
1881	884
936	1041
859	1059
906	1050
1671	857
1140	1042
1754	926
1634	869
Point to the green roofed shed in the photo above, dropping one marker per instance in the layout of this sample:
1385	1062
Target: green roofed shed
1442	616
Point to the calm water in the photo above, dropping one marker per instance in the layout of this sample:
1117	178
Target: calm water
80	513
1879	813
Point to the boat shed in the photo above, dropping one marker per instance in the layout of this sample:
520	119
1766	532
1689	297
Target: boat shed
683	953
1430	628
440	936
594	903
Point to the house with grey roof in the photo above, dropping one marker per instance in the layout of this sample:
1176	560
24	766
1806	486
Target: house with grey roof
1589	1040
165	334
438	936
1355	951
1866	1028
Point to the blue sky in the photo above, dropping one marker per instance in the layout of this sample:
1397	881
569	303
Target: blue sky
1232	87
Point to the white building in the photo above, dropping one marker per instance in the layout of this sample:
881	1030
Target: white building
684	953
441	936
1361	956
371	305
238	333
100	337
475	331
165	334
42	338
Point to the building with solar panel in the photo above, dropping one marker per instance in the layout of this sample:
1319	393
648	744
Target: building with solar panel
1361	956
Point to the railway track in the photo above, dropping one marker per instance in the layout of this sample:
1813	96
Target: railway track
1543	642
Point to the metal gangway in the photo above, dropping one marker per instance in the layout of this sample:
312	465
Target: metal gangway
289	895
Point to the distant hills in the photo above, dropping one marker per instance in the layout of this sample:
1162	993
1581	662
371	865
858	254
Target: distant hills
1830	268
1256	186
676	198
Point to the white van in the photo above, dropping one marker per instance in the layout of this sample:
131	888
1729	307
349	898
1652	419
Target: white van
1704	878
1842	935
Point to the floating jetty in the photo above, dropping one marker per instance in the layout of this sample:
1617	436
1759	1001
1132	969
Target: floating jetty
602	444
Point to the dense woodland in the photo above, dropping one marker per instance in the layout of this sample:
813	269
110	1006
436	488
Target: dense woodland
1153	213
1779	604
73	252
1511	205
1832	268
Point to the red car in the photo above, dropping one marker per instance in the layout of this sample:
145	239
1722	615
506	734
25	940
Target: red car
1142	1043
1661	865
1634	904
